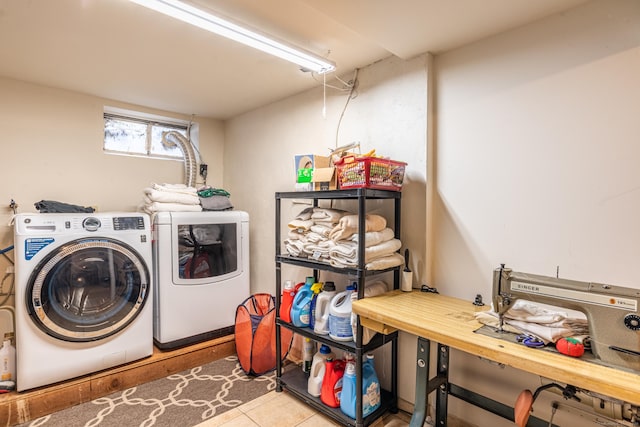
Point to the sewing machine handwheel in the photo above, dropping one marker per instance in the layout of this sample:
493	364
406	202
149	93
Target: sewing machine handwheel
632	321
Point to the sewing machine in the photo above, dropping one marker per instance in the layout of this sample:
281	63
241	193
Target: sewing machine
612	311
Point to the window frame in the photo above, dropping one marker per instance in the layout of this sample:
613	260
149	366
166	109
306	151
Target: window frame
150	121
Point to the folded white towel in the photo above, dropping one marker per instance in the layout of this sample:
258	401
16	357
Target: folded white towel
300	224
327	214
295	248
151	208
321	229
175	188
375	237
346	251
305	214
385	262
532	312
348	226
313	237
151	195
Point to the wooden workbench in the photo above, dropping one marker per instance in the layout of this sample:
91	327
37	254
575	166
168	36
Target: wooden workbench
451	323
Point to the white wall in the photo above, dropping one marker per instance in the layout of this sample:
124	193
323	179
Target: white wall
388	113
538	144
51	143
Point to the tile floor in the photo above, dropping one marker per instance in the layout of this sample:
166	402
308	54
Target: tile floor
283	410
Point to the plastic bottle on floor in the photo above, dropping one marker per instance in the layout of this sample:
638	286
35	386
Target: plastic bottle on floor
340	315
314	383
8	359
323	301
301	304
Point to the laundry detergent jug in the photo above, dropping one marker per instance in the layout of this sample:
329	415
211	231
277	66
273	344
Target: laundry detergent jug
332	383
301	304
316	375
288	293
370	389
348	394
323	301
340	315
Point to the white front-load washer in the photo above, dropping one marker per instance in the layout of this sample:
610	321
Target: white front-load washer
83	294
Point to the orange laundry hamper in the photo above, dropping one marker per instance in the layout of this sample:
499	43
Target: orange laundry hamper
255	334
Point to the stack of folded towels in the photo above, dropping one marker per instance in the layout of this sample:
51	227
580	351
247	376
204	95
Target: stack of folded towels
331	236
171	198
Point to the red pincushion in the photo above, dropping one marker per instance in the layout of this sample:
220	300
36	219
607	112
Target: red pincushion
570	347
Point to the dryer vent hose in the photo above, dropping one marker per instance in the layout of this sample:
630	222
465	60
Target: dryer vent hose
173	138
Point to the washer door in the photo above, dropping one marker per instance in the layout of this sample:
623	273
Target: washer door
87	289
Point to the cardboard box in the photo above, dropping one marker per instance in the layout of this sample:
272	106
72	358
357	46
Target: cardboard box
306	163
324	179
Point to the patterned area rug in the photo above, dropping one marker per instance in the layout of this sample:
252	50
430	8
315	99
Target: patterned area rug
183	399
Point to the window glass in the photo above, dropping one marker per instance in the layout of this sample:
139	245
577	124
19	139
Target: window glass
159	148
140	137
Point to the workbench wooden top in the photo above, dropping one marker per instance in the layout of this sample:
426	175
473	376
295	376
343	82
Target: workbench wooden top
451	321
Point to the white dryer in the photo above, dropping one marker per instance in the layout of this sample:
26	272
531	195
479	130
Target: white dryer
202	274
83	294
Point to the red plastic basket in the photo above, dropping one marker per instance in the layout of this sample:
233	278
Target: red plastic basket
370	172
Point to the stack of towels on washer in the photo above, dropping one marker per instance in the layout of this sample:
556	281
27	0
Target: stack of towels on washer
171	198
331	236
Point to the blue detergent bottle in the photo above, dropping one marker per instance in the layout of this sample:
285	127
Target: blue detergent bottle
300	309
348	395
370	389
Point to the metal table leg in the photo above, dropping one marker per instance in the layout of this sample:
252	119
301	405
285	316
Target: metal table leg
422	382
424	385
443	386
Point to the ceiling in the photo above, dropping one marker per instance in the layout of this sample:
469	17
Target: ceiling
119	50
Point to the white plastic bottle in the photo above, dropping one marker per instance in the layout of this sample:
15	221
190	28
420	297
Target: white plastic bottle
7	359
323	300
314	383
340	315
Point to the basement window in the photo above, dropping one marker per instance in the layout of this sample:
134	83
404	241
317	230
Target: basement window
138	134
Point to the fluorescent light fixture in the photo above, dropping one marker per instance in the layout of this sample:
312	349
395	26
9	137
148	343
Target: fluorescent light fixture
223	27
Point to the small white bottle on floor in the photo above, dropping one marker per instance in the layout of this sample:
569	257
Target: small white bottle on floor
7	359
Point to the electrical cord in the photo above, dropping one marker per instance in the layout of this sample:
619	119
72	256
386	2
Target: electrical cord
8	294
353	88
554	408
347	86
8	274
